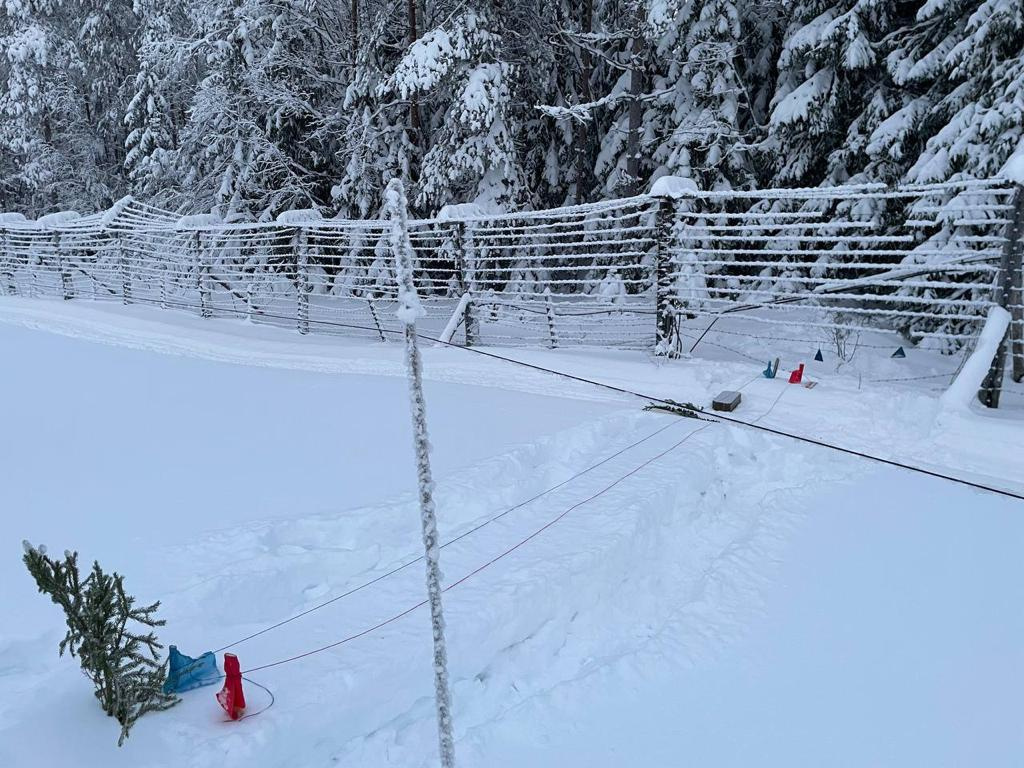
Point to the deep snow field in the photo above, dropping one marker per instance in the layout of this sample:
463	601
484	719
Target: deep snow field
741	600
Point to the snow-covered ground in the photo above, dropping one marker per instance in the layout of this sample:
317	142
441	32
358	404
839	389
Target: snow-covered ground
740	600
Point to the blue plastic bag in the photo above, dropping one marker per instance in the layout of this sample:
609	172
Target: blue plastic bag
185	673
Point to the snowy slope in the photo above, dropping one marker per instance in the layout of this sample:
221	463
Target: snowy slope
740	600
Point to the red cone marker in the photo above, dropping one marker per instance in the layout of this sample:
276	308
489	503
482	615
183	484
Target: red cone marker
231	697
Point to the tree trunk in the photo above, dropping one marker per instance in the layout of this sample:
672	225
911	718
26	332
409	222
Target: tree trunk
415	124
355	31
636	78
584	165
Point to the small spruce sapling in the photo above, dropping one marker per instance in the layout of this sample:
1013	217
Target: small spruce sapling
123	664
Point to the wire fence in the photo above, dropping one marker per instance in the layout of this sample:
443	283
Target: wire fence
653	271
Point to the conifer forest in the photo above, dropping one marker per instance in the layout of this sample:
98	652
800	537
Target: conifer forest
248	108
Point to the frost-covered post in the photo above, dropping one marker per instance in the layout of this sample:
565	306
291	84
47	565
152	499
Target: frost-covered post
664	221
549	309
464	244
376	319
300	220
164	277
669	190
1009	270
409	309
66	287
126	276
1014	290
13	252
201	270
33	261
198	273
466	266
51	246
299	246
7	263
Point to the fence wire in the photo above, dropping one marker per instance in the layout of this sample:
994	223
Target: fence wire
633	273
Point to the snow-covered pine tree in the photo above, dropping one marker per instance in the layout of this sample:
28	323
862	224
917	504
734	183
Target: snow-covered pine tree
162	91
702	110
376	141
60	112
829	71
958	64
472	155
967	55
121	660
245	147
561	68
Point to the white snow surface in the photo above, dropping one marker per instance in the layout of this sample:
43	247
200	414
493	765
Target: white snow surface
741	600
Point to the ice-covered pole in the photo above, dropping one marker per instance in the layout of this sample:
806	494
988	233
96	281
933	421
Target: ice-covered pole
409	308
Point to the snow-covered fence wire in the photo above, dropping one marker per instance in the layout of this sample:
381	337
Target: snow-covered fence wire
653	271
921	260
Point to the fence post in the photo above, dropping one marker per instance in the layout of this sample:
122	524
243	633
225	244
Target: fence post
1009	275
465	261
9	263
33	261
549	309
164	269
126	276
201	272
667	341
299	244
1015	296
66	286
463	241
376	319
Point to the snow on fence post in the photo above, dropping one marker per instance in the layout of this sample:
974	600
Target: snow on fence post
199	269
202	285
1015	291
3	265
299	244
409	309
376	319
55	220
970	382
164	270
549	310
200	266
467	277
300	258
66	287
463	240
1009	271
121	260
126	276
668	189
33	261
